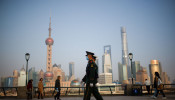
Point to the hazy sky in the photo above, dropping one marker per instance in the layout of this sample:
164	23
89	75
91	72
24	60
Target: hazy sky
86	25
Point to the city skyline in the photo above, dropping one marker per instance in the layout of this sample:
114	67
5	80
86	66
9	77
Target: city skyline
79	26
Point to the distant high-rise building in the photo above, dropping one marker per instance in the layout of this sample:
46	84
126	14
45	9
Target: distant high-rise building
120	72
135	68
36	78
123	76
15	76
141	75
41	74
165	79
154	67
22	77
3	81
71	69
49	42
107	49
15	73
31	73
105	78
125	60
106	60
9	81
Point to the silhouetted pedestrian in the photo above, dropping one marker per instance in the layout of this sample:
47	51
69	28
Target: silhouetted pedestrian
57	88
91	78
147	83
158	86
29	89
40	88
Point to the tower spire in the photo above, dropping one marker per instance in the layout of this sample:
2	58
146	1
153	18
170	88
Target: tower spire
50	27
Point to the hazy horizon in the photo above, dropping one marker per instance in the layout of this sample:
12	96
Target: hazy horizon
79	26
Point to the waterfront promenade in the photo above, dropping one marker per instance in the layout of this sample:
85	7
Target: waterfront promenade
145	97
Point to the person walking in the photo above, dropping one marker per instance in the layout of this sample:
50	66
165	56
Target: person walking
57	88
91	78
29	89
147	83
40	88
158	86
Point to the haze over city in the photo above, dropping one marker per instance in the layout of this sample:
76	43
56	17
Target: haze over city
79	26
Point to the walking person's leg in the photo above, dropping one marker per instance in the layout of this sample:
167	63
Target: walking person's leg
96	93
148	89
39	95
87	94
161	91
157	93
42	95
58	96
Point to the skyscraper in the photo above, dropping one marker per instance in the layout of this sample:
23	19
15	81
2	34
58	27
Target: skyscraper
154	67
125	61
135	68
71	69
120	72
106	76
49	42
22	77
15	76
107	63
141	75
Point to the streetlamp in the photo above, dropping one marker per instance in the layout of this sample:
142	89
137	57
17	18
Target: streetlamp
131	57
27	56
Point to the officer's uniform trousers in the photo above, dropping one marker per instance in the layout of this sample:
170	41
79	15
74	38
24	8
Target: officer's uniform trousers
93	90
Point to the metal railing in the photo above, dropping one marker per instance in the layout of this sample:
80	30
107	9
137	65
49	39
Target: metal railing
65	91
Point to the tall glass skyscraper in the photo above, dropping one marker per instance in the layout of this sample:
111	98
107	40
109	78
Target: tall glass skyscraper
135	68
125	61
107	61
71	69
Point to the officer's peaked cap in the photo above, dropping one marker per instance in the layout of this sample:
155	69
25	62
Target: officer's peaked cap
89	53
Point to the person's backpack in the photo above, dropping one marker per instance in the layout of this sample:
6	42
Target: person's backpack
159	84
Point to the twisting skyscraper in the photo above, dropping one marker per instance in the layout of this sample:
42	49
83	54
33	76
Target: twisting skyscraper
125	62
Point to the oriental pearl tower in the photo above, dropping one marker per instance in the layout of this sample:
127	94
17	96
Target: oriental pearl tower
48	75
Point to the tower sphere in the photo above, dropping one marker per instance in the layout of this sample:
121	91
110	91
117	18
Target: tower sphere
49	41
48	75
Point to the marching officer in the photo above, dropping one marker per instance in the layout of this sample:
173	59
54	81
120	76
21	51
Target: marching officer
91	78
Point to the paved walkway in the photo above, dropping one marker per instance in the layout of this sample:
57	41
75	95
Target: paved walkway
169	97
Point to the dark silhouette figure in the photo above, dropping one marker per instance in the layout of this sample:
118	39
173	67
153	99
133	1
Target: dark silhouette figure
29	89
158	85
57	88
91	78
40	88
147	83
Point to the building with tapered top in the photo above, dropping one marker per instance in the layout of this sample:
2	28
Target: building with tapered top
154	66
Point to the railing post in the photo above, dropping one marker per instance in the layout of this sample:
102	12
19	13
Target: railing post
79	90
4	91
44	91
110	89
66	91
